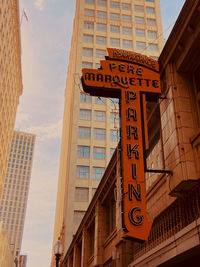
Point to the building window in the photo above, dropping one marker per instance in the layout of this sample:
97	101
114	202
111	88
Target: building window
114	101
81	194
112	150
97	65
78	216
88	38
99	100
126	6
99	153
89	12
82	171
93	191
100	40
150	0
139	8
115	42
140	32
97	172
141	45
114	117
89	1
87	52
150	10
126	30
83	151
99	133
101	27
114	135
84	132
110	212
114	16
114	4
85	114
101	14
126	18
151	21
102	2
88	25
115	29
153	47
139	20
127	43
100	53
99	115
152	34
87	65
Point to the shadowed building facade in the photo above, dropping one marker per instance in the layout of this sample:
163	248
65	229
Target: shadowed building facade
90	124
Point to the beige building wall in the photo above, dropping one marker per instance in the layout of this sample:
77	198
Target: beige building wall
10	78
90	125
6	256
16	187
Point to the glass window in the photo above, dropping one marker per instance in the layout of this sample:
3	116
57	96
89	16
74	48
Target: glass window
89	1
101	27
84	132
101	14
88	38
99	133
114	4
141	45
114	29
97	65
114	101
99	152
127	30
89	12
139	8
85	98
140	32
85	114
126	18
99	100
88	52
152	34
99	115
139	20
127	43
114	135
153	47
150	0
83	151
97	172
87	65
114	16
81	194
78	216
114	117
115	42
150	10
88	25
100	53
151	21
126	6
102	2
82	171
100	40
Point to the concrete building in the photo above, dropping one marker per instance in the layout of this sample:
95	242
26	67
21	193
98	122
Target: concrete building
16	187
10	78
90	125
173	201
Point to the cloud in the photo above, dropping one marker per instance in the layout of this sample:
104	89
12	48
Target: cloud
47	132
39	4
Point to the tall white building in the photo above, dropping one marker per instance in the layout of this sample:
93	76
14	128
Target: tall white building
90	124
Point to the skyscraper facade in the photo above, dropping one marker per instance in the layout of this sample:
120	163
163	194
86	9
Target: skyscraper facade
16	187
10	78
90	125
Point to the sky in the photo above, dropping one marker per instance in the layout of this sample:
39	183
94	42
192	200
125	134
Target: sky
45	42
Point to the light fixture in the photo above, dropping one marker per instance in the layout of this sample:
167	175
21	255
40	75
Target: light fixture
58	249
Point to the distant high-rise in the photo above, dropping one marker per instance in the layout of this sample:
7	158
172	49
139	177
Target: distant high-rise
10	78
16	187
90	124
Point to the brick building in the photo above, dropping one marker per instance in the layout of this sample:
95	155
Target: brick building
173	198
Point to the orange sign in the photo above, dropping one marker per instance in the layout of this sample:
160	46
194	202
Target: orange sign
131	77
